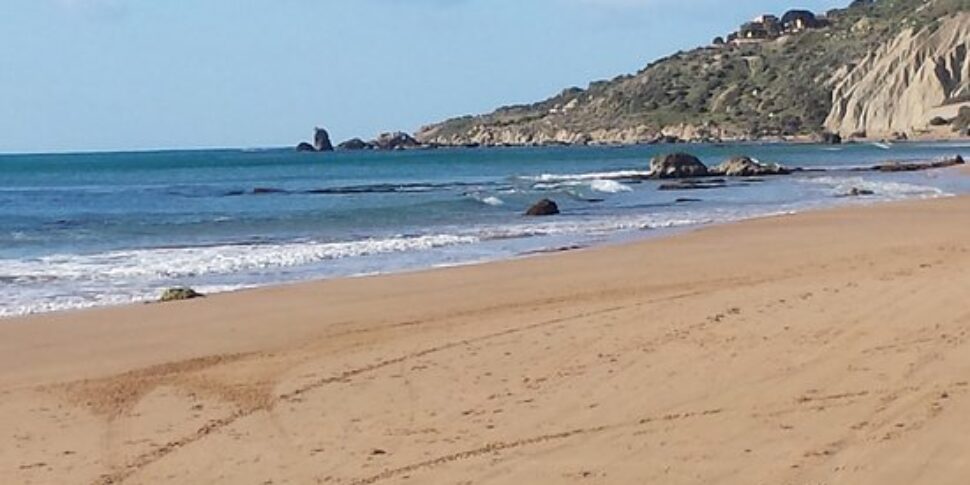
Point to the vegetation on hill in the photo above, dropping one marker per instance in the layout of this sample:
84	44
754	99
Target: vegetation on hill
779	87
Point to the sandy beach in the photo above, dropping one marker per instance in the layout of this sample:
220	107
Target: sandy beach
820	348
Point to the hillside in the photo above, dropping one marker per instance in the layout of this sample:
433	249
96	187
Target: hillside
878	67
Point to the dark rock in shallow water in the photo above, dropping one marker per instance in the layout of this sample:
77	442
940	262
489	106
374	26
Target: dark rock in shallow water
694	185
747	167
321	140
267	190
681	200
676	165
395	141
912	167
355	144
857	192
305	147
830	138
544	207
179	294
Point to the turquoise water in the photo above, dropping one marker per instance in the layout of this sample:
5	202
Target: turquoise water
82	230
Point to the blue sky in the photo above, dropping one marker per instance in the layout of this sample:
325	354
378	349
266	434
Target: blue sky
146	74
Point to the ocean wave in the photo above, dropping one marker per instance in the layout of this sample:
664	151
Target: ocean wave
572	187
880	188
615	175
66	281
609	186
173	263
486	199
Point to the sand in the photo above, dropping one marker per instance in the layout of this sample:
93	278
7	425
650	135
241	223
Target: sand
822	348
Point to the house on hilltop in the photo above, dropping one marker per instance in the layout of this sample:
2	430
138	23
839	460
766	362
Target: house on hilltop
767	27
770	23
760	28
753	31
798	20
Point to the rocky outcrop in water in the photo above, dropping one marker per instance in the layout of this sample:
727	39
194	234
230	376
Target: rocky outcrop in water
396	141
544	207
917	166
694	184
355	144
321	142
676	165
829	138
747	167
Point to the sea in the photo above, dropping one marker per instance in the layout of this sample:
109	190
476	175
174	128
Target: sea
93	229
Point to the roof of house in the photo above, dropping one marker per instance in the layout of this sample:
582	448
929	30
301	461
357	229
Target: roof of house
803	15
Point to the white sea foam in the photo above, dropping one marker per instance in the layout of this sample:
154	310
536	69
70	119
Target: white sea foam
880	188
170	263
487	199
619	174
609	186
66	281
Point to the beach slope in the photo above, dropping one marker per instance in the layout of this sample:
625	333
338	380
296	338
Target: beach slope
824	348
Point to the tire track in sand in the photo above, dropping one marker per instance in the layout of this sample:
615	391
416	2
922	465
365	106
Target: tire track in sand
519	443
148	458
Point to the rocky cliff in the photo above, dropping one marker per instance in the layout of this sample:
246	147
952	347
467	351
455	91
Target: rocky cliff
902	86
879	66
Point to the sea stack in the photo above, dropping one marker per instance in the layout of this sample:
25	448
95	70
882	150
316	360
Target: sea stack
321	140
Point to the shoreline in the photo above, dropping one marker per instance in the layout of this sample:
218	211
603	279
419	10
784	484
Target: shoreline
380	262
741	143
631	241
726	354
619	239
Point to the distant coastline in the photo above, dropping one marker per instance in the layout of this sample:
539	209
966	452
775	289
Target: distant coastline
797	78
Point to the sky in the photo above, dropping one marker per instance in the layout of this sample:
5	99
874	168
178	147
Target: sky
86	75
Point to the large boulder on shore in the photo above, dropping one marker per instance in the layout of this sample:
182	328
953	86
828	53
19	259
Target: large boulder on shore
321	140
396	141
355	144
544	207
676	165
747	167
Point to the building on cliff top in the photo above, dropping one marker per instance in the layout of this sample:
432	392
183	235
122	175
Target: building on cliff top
799	20
767	27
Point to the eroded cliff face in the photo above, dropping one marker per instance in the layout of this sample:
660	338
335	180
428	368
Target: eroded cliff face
905	83
880	67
